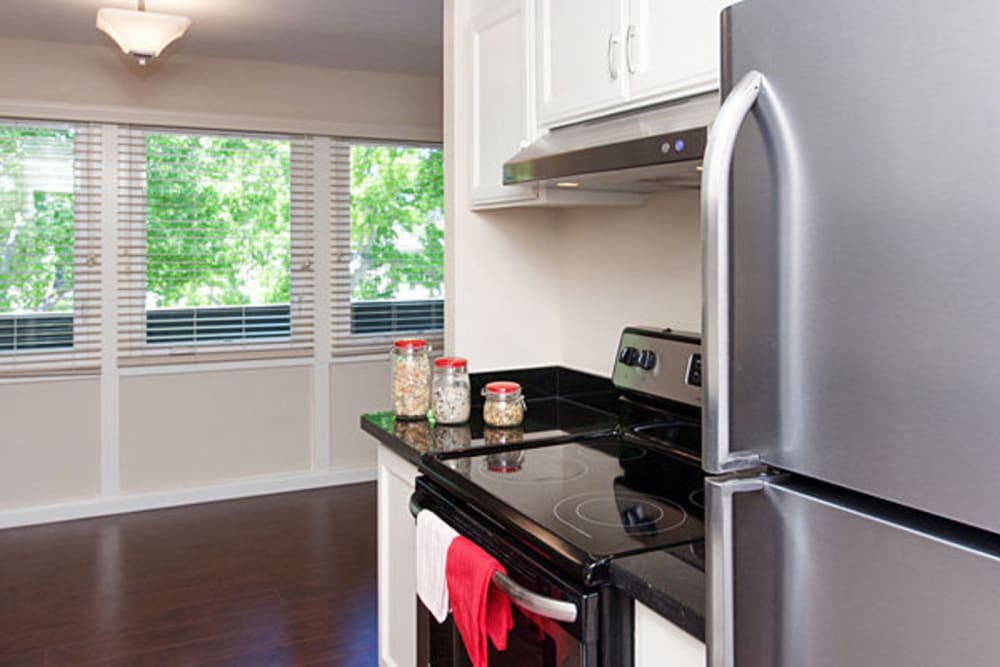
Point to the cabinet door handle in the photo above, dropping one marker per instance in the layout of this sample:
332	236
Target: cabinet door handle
612	59
630	60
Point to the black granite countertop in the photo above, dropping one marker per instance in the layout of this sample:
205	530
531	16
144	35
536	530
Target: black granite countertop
544	418
561	402
671	582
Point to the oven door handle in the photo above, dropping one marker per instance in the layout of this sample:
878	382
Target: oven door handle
557	610
546	607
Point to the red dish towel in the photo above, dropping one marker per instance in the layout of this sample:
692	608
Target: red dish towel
480	610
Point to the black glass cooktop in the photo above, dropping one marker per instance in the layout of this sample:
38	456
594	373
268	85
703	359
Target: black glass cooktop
590	499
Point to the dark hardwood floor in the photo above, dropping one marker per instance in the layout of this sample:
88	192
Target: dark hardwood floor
276	580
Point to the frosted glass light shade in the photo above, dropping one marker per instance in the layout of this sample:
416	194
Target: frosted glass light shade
141	34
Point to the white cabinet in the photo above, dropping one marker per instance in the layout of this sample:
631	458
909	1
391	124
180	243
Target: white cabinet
672	47
579	64
596	57
397	586
502	119
502	105
660	643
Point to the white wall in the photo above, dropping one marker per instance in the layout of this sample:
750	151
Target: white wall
547	286
180	434
626	266
186	429
356	387
50	447
501	272
101	83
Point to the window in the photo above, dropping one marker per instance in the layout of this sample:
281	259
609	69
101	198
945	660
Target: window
49	253
389	262
219	232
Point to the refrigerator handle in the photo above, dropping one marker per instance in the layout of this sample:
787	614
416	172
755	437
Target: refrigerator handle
716	325
719	565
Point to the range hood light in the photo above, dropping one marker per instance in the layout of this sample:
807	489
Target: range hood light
567	184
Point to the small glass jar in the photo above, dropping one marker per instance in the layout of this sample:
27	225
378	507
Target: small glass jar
450	391
504	405
411	379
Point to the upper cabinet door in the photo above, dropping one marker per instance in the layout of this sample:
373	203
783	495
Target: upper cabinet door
671	47
581	65
501	101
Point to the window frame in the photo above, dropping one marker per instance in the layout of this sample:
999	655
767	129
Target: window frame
349	337
136	344
82	354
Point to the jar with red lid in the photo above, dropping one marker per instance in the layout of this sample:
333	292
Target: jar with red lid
503	405
411	377
451	392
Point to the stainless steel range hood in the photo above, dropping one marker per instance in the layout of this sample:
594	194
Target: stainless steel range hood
649	150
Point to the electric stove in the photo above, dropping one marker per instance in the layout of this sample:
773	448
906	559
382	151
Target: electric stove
583	500
557	511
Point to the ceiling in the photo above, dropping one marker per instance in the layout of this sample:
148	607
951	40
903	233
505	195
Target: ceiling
383	35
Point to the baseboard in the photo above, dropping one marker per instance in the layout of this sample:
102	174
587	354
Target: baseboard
258	486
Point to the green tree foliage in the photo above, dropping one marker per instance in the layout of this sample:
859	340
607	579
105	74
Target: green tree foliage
218	229
218	220
36	220
397	221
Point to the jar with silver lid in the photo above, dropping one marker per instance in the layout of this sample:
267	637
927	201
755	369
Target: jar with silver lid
503	405
411	378
451	392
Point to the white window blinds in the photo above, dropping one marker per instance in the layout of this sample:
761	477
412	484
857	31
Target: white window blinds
50	179
387	240
216	245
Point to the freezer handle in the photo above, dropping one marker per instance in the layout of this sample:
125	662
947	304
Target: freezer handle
719	633
716	325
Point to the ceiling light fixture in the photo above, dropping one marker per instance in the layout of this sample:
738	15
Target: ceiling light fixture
141	34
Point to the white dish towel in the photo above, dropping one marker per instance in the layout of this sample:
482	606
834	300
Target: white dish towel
434	537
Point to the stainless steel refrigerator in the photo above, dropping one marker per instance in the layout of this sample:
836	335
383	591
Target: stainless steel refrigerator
851	239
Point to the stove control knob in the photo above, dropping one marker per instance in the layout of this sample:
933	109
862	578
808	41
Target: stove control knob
646	360
628	356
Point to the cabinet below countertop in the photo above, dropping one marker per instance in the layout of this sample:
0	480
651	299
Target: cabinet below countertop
659	642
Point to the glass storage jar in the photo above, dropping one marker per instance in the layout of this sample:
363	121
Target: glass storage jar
504	404
450	391
411	379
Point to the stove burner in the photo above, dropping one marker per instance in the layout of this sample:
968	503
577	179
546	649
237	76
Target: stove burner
641	512
541	469
697	498
674	434
632	512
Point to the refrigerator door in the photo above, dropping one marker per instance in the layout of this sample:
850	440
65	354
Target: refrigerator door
862	256
798	576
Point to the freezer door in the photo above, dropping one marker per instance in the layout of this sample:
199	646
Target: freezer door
814	580
864	249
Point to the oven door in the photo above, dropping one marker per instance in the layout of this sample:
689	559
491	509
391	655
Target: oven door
555	623
440	645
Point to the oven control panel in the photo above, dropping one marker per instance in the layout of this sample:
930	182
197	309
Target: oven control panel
664	363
